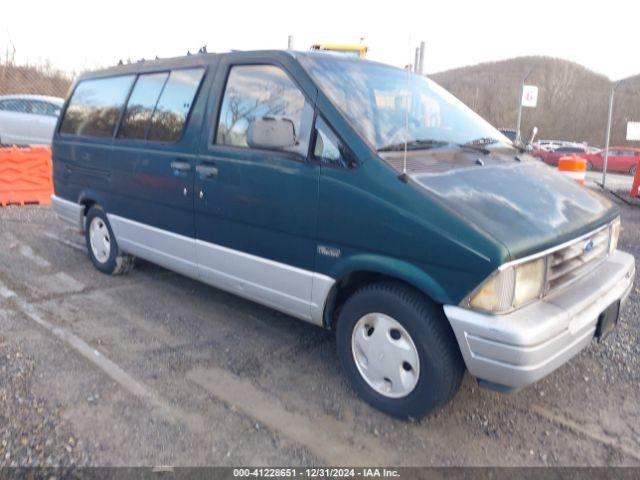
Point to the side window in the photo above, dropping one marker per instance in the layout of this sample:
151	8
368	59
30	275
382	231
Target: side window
44	108
142	103
176	99
15	105
95	106
329	149
257	92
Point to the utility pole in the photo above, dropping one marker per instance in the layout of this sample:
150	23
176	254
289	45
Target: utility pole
290	42
421	59
524	79
417	60
608	137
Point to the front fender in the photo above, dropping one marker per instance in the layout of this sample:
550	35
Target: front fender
391	267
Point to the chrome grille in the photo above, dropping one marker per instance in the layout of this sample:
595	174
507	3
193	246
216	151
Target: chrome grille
575	260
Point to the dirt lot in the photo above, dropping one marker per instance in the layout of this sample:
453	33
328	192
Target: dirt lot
156	369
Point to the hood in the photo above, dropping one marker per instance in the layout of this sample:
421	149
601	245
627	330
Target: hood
526	205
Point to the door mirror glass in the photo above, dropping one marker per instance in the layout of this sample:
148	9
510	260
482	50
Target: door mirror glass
271	132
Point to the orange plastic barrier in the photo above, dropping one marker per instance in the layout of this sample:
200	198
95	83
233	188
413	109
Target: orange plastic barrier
636	182
573	167
25	175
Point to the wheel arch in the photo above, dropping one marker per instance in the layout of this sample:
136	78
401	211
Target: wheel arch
88	199
361	272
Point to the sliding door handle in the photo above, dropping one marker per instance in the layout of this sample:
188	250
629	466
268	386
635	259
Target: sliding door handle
207	171
181	166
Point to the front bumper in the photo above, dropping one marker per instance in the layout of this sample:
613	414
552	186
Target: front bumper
519	348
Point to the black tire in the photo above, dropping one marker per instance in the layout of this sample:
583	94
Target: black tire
117	262
441	365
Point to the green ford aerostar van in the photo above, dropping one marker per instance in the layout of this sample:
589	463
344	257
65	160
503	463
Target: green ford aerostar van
352	195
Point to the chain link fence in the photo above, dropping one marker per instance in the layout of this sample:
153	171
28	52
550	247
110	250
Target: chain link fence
33	80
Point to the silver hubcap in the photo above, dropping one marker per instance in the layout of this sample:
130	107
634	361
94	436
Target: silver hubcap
99	239
385	355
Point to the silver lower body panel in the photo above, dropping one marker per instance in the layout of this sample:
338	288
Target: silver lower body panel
69	212
297	292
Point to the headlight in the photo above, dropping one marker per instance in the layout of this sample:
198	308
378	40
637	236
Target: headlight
615	235
511	287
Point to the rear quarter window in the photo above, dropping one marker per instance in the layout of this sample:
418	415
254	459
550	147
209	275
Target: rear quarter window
173	107
141	105
95	106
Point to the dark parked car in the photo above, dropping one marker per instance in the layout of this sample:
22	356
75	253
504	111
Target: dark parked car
510	133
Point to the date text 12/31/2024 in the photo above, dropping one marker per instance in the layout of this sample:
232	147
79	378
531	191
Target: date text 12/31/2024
316	472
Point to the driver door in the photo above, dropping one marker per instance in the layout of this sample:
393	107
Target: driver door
256	208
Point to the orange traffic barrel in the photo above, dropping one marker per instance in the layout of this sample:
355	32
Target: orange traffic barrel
573	167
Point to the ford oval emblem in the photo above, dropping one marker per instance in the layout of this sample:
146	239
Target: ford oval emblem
588	246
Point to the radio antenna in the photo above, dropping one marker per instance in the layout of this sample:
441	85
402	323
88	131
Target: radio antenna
406	116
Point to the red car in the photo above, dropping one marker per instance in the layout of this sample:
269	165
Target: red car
621	159
552	157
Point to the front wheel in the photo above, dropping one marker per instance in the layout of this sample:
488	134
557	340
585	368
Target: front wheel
398	351
102	246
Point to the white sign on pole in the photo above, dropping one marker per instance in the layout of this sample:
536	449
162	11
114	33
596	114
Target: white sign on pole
633	130
529	96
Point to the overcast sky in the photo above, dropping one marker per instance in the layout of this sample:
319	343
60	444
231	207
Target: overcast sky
76	35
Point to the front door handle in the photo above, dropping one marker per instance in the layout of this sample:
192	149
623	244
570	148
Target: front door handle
181	166
207	171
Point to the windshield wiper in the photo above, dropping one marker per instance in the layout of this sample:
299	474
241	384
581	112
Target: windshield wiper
482	141
413	145
479	144
428	143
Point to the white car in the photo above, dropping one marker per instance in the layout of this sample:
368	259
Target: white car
28	119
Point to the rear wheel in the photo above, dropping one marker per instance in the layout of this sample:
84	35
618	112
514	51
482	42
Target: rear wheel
102	246
398	351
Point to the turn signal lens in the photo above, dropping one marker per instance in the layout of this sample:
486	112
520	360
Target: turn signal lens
615	235
496	294
511	288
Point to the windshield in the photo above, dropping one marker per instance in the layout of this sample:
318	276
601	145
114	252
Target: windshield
374	98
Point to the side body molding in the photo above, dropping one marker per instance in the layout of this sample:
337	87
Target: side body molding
295	291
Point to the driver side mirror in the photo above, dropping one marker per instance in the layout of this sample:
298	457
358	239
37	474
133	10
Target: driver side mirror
275	133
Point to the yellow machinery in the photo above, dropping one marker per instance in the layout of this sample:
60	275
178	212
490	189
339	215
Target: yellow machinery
354	50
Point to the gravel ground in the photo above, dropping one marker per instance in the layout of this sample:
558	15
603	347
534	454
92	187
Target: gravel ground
32	432
153	369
